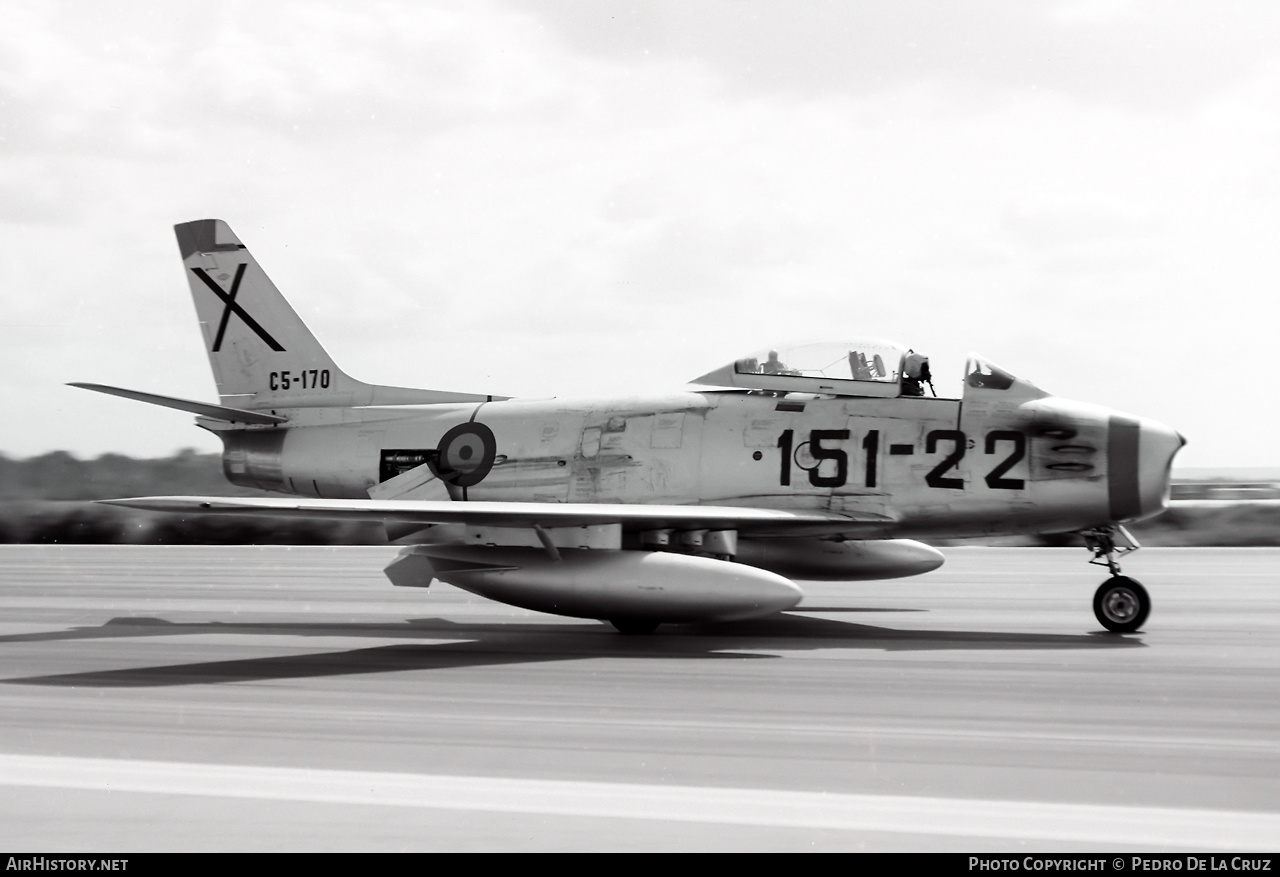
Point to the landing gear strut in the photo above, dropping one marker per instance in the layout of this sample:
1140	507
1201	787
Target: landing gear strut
1121	604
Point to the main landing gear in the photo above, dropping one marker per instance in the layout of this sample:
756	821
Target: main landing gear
1121	604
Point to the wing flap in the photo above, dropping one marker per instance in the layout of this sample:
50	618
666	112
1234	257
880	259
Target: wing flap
753	521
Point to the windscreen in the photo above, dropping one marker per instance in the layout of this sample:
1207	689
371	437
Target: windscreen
982	373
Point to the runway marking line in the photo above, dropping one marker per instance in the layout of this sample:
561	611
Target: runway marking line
1182	829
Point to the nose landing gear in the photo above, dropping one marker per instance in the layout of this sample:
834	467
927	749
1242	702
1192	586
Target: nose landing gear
1121	604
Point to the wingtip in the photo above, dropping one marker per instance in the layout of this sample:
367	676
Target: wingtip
150	503
172	503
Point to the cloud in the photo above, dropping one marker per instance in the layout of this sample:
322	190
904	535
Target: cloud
1144	54
582	198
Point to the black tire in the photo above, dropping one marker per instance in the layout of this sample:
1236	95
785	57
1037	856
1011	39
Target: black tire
1121	604
634	626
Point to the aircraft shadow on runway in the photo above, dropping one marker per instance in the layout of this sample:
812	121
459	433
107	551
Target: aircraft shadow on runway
489	644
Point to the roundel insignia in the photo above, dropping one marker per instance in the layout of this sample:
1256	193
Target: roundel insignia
465	454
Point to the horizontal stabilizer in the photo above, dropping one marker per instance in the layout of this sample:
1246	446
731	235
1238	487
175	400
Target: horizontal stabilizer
754	521
204	409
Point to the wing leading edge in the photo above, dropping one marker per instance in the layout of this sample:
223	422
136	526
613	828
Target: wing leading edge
748	521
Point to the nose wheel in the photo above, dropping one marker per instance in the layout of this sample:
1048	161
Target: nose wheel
1121	604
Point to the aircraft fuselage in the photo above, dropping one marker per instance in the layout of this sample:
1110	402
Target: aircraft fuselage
926	464
805	460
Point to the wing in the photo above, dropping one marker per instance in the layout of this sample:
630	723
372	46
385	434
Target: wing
1217	504
747	521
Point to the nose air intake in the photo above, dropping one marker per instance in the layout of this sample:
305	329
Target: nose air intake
1140	456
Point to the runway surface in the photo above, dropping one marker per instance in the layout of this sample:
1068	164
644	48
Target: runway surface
199	698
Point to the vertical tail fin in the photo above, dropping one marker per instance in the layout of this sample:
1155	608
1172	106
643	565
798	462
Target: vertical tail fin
262	354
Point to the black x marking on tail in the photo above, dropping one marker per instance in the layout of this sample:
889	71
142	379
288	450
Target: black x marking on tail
230	299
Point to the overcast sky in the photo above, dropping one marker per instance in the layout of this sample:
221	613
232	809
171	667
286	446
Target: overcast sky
570	198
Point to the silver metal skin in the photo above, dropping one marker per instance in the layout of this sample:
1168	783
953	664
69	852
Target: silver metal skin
820	461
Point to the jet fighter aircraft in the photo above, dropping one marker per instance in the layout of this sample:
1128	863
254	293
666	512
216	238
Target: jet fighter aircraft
808	461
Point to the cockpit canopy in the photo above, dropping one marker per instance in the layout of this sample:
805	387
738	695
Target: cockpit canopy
860	367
